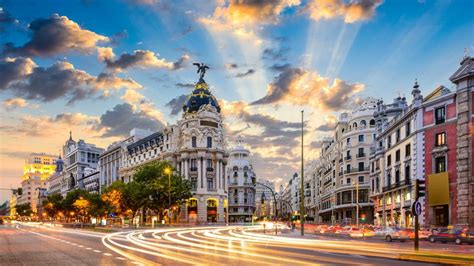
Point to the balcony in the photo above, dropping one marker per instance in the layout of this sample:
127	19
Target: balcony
347	157
248	184
360	155
396	185
357	170
209	169
327	182
193	169
327	171
234	184
211	189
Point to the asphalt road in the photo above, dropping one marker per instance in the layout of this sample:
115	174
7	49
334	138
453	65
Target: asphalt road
42	245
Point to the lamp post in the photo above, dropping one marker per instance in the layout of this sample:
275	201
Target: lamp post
168	172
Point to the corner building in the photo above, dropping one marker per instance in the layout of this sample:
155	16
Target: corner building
195	146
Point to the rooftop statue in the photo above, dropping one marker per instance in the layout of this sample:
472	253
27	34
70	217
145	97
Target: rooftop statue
201	69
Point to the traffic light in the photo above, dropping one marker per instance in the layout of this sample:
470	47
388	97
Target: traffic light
420	188
362	217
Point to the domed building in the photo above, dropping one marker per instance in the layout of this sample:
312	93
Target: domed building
195	145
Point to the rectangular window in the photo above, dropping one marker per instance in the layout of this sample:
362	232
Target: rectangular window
397	156
407	129
440	139
361	166
361	152
407	172
440	164
209	142
389	141
440	115
361	138
348	140
397	135
193	142
193	183
209	163
389	160
397	176
361	179
193	164
407	150
210	184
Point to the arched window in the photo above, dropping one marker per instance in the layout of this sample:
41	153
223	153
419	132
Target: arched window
372	122
354	125
363	123
342	130
193	142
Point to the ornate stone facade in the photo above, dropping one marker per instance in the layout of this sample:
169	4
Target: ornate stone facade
196	148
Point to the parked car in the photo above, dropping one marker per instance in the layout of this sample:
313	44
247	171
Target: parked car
392	233
457	236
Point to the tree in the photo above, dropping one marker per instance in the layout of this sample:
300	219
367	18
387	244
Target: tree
54	204
24	209
113	197
152	176
82	205
135	196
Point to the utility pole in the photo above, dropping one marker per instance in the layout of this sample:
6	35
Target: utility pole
302	176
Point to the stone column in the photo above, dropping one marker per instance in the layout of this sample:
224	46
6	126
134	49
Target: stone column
186	168
465	179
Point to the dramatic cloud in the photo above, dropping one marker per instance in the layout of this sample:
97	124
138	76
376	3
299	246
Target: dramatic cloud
231	65
279	67
185	85
13	103
244	74
301	87
253	11
275	54
138	59
329	125
351	11
54	35
275	134
132	97
123	118
46	126
60	80
176	104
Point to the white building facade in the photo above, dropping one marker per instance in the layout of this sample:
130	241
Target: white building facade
241	179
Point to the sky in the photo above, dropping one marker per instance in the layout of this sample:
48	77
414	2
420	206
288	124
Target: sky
100	68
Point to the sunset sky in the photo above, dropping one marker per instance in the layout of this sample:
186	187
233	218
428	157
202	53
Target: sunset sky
100	68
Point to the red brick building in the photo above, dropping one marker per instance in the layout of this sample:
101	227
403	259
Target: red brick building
440	157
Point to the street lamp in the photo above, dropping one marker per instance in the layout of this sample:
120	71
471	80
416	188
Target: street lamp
168	172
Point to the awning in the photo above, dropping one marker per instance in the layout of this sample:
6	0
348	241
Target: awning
438	189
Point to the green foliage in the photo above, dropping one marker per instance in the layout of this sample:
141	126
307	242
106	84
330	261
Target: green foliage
153	176
54	204
24	209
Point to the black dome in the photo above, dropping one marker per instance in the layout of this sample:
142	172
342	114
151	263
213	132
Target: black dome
199	97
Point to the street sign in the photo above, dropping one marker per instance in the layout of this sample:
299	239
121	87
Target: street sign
416	208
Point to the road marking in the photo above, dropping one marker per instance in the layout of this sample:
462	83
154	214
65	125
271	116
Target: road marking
98	251
81	246
136	263
107	254
74	244
89	248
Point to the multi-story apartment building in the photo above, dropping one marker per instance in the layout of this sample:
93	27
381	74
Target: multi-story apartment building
241	179
440	141
112	159
38	167
196	147
400	151
80	168
264	201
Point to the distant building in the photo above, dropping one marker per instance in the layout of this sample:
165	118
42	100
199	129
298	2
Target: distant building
112	159
38	167
5	208
241	180
79	170
264	201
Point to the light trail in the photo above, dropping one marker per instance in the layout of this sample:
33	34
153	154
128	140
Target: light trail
234	244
